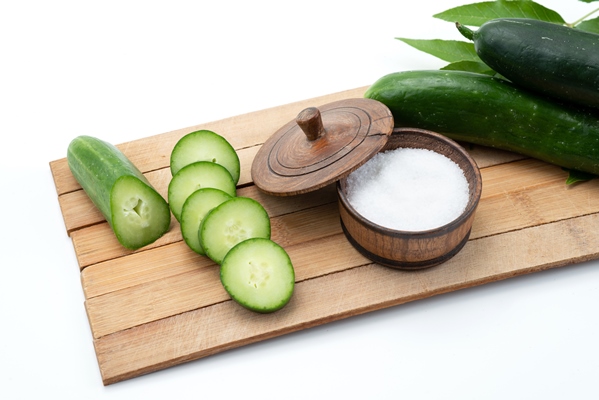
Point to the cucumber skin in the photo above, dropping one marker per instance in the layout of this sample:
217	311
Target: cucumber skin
483	110
548	58
97	165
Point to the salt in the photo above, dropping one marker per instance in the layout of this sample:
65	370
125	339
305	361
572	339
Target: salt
409	189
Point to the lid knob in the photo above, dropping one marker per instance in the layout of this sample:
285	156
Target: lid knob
310	121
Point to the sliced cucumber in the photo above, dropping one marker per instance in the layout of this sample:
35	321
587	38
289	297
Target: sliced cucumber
135	211
192	177
205	145
258	274
195	208
232	222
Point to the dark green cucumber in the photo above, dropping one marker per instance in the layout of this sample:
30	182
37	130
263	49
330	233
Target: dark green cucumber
480	109
136	212
548	58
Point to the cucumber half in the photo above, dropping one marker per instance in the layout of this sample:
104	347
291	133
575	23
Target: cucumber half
192	177
258	274
195	208
205	145
230	223
136	212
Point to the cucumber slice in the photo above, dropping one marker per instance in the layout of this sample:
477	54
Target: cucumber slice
135	211
195	208
258	274
233	221
205	145
195	176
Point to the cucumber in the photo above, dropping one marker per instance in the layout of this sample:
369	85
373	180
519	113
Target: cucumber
258	274
135	211
195	176
548	58
195	208
205	145
230	223
480	109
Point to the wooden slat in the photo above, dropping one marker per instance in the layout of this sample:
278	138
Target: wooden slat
213	329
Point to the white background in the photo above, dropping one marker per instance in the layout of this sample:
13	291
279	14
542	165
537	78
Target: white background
124	70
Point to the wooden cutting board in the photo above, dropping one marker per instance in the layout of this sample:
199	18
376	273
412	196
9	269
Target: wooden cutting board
164	305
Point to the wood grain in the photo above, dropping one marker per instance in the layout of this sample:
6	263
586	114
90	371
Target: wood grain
163	305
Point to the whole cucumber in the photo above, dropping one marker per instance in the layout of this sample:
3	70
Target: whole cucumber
136	212
480	109
548	58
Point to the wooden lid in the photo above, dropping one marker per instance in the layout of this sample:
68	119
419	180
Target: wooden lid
321	146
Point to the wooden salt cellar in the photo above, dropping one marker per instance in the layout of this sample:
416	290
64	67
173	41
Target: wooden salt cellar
324	145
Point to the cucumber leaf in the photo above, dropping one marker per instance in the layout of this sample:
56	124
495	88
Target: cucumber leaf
588	1
470	66
477	14
590	25
578	176
447	50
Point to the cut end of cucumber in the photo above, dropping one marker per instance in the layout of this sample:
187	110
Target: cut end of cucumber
205	145
139	214
258	274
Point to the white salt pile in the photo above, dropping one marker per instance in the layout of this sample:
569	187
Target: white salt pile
408	189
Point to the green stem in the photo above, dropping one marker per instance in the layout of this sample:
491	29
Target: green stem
467	33
573	24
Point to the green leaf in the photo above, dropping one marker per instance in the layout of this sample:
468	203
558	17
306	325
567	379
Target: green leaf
588	1
470	66
591	25
446	50
477	14
578	176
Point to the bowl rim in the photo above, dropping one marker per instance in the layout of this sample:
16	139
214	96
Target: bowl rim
474	198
